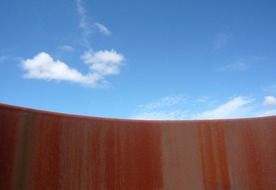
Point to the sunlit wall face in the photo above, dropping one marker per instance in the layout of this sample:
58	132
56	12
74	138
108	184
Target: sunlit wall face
46	150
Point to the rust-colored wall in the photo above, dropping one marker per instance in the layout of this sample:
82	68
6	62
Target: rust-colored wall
41	150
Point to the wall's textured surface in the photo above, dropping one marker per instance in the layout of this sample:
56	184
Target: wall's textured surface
41	150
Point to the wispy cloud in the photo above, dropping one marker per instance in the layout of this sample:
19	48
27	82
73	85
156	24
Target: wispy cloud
101	64
221	40
86	26
235	107
270	101
270	89
203	99
239	107
84	23
163	102
103	29
161	109
161	115
3	58
67	48
238	66
270	112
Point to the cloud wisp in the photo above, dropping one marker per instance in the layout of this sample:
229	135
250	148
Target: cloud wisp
238	66
3	58
163	102
86	26
101	64
161	115
270	101
161	109
103	29
242	64
236	107
221	40
269	112
270	89
66	48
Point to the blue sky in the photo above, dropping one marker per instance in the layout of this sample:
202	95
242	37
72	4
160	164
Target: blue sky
174	59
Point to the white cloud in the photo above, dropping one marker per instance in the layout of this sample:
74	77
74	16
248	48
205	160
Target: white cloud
236	107
270	100
103	62
103	29
67	48
43	66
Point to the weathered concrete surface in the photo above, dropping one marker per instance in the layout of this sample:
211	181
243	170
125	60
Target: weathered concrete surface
43	150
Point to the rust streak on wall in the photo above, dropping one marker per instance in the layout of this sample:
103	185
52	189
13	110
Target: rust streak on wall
44	150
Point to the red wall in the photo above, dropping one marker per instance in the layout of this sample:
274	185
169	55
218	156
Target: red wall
43	150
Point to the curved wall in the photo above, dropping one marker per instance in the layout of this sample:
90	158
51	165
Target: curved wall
43	150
